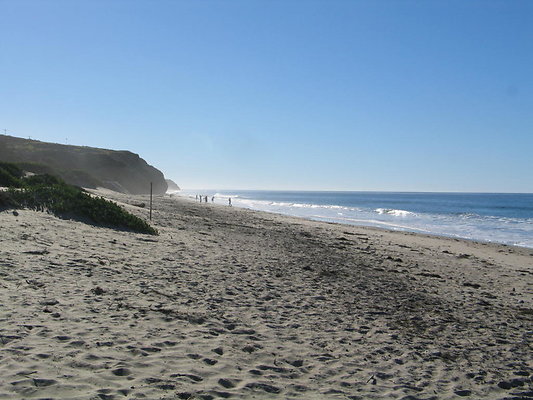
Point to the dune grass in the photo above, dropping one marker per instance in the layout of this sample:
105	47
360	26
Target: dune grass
10	175
49	193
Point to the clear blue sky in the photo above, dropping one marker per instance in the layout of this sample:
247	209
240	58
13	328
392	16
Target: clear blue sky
289	94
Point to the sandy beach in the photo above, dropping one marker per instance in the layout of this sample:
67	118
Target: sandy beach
233	303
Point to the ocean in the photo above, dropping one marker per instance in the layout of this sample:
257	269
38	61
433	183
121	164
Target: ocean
491	217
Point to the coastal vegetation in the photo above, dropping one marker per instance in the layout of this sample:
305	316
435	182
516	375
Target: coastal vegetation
46	192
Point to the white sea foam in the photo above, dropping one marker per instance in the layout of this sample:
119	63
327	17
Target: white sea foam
226	196
397	213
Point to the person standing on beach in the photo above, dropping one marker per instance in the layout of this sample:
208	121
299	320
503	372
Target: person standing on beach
213	199
229	201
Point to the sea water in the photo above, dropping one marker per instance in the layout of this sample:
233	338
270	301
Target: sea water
492	217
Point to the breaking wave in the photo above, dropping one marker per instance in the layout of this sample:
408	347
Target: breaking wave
397	213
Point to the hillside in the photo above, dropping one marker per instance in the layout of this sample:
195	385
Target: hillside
121	171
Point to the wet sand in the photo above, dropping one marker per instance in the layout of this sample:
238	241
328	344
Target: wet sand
233	303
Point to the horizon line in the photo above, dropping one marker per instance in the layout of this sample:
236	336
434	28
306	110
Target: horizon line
353	191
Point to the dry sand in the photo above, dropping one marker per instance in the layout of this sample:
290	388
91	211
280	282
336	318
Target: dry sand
232	303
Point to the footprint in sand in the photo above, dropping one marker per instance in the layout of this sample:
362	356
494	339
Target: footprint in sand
121	372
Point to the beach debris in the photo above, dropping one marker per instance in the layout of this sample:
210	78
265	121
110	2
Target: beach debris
249	349
98	291
35	284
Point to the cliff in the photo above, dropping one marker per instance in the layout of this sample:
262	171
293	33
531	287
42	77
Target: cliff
172	186
121	171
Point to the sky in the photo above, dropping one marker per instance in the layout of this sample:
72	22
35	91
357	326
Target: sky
281	94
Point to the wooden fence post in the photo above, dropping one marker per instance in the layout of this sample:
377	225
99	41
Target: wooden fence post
150	201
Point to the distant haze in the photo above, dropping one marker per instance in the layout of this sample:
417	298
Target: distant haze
302	95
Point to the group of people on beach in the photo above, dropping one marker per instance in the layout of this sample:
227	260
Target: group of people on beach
203	198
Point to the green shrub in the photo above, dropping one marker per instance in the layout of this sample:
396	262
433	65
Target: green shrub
12	169
10	175
36	180
66	200
48	193
6	201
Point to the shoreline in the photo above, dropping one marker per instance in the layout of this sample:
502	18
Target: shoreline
370	227
235	303
423	222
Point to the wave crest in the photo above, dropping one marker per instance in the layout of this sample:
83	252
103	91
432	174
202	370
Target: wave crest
396	213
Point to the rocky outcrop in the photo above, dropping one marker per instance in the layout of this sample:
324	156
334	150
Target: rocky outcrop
172	186
121	171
